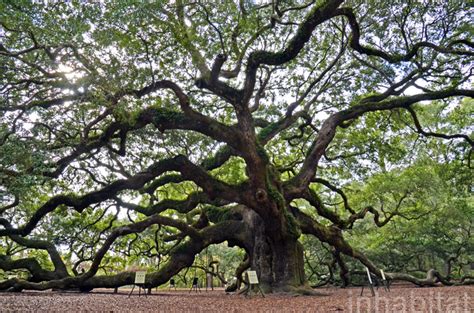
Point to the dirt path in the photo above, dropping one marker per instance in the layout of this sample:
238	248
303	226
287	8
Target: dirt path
400	299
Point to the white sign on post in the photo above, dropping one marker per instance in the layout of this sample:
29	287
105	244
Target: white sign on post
368	275
253	282
253	279
140	277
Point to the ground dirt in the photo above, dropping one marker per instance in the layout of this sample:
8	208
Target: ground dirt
399	299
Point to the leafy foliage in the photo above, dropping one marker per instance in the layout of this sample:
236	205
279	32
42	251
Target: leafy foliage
146	135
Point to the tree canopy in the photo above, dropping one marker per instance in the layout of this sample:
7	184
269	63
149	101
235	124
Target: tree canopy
317	136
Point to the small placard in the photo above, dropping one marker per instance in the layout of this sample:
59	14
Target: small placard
368	275
252	276
140	277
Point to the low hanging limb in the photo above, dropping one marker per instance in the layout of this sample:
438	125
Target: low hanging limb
243	266
333	236
37	273
343	269
181	257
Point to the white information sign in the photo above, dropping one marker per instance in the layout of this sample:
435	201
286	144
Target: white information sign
140	277
253	279
368	275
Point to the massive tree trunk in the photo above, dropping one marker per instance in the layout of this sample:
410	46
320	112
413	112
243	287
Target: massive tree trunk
278	263
277	257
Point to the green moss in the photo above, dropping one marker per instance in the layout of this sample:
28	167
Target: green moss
211	163
167	115
128	116
292	224
216	214
181	248
267	130
272	178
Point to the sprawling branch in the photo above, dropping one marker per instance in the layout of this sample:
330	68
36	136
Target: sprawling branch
317	16
328	129
433	134
181	206
182	256
188	170
336	190
59	266
392	58
31	265
163	119
333	236
377	219
316	202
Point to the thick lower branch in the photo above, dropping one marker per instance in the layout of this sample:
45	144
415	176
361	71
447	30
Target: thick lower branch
31	265
333	236
59	266
181	257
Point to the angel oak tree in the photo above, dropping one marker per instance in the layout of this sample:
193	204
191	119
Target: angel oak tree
208	122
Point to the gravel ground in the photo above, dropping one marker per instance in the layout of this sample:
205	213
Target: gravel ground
399	299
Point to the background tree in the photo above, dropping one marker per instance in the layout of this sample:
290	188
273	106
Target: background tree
151	131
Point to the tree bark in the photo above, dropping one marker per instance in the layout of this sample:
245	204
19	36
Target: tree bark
278	260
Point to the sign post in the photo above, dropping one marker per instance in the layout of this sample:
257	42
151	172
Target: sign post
253	282
172	284
374	280
140	282
195	285
385	282
370	284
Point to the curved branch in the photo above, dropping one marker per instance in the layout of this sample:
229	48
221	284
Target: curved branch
438	135
163	119
60	269
180	206
15	202
136	228
80	203
333	236
162	84
337	190
31	265
316	202
316	16
181	257
391	58
328	129
190	171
